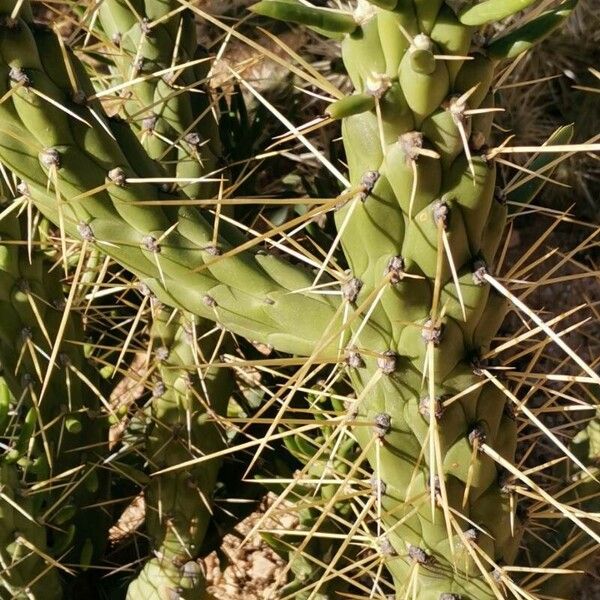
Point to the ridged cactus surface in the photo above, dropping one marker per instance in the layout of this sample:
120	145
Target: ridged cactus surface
405	310
97	195
187	399
54	436
162	71
420	239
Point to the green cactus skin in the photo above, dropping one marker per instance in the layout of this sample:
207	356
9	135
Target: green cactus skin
183	412
171	113
25	573
61	430
187	268
408	202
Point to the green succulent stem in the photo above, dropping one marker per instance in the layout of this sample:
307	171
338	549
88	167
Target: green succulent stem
162	71
420	228
187	402
176	250
422	239
62	438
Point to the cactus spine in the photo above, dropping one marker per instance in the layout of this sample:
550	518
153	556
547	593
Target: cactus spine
420	226
187	400
55	434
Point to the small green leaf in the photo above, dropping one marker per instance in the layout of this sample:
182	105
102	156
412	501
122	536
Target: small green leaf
351	105
293	12
532	33
492	10
527	192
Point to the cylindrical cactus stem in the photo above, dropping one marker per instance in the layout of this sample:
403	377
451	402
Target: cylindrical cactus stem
58	435
156	50
188	399
27	569
83	180
315	560
422	240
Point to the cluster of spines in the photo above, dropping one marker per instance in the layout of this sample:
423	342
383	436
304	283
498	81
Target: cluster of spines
284	334
54	435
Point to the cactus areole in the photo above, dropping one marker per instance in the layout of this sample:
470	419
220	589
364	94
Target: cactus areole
420	232
420	118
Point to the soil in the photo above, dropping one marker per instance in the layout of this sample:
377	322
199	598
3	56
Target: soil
252	571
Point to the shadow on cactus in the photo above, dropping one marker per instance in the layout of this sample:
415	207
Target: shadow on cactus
421	492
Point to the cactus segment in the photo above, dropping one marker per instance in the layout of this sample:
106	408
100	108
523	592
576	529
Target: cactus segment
157	48
189	263
186	402
59	433
23	547
421	238
295	12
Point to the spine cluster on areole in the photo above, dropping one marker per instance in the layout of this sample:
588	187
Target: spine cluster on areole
420	229
420	240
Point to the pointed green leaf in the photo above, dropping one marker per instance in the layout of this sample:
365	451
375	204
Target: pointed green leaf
527	192
492	10
294	12
532	33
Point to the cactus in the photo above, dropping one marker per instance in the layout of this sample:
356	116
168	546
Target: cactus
426	171
27	572
175	251
187	399
55	436
176	125
569	549
23	546
326	462
420	221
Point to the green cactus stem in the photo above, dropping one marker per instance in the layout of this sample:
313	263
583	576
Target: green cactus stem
187	400
174	250
28	570
422	239
61	435
161	72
